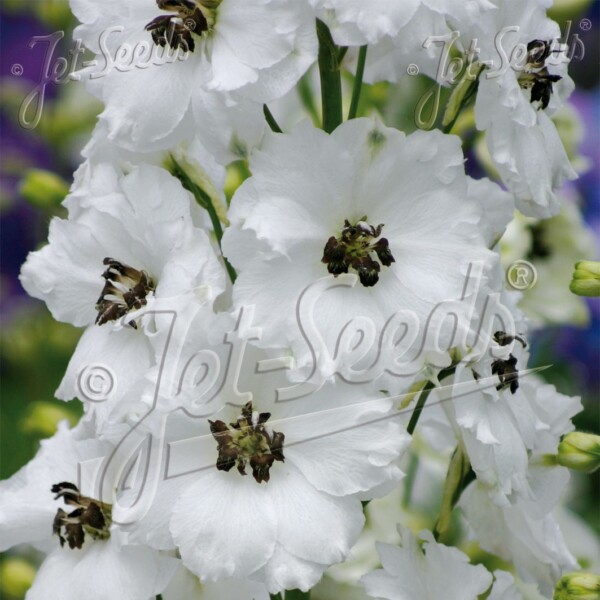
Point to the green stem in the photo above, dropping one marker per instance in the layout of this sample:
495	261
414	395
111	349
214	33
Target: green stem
331	81
204	200
409	481
414	418
271	120
276	596
360	70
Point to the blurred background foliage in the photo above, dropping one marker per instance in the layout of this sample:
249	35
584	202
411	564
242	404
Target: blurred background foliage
35	350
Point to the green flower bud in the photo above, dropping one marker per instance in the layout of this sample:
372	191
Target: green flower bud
55	13
16	575
568	9
461	94
589	268
578	586
586	278
43	188
197	181
43	418
580	451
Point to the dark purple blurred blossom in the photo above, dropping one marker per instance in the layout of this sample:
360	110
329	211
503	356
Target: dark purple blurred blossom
587	104
22	226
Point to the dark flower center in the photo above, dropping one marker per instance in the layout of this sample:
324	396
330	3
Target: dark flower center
188	17
248	440
535	76
90	516
540	248
354	251
125	289
506	369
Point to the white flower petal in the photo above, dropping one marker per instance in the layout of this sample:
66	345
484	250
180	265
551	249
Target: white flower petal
102	571
224	525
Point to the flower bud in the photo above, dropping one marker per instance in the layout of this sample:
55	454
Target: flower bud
460	94
43	418
580	451
16	575
578	586
43	188
586	278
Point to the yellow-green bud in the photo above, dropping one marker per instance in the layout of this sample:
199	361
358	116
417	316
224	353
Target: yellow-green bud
568	9
43	188
43	418
578	586
16	575
236	175
586	278
53	12
460	94
580	451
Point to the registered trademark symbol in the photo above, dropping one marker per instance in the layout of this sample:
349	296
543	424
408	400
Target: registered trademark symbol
521	275
585	24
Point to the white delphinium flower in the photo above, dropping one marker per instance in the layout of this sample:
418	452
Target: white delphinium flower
54	503
355	23
389	59
434	572
524	82
552	246
255	487
415	511
231	133
219	141
129	250
105	161
533	544
506	419
156	59
394	215
419	42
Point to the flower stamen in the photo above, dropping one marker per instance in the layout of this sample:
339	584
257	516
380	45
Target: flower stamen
353	250
535	76
90	516
507	373
506	369
125	289
176	29
248	441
